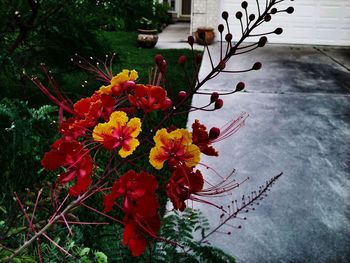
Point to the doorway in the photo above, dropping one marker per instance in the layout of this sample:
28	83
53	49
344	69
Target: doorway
185	7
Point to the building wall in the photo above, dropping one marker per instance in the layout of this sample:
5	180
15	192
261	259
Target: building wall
205	13
325	22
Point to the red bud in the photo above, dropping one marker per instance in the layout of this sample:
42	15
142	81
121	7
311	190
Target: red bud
158	59
240	86
182	95
218	104
182	60
167	104
129	85
214	133
214	96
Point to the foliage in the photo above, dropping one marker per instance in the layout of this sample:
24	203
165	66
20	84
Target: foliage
180	228
26	132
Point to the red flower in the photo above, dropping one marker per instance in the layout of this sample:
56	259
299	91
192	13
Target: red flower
75	159
138	190
90	109
149	98
182	183
201	138
87	113
135	233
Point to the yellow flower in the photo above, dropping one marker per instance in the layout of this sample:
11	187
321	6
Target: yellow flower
118	80
118	131
176	147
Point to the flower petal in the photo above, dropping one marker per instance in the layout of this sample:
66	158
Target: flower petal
157	157
192	155
128	147
134	126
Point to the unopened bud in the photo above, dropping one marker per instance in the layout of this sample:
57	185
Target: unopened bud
167	104
182	95
267	18
158	59
240	86
182	60
239	15
244	5
224	15
257	66
278	31
228	37
214	96
190	40
290	10
128	85
214	133
221	28
218	104
163	67
262	41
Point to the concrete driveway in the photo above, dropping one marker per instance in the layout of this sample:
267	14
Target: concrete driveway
299	124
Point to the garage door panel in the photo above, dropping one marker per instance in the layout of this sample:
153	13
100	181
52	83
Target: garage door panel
313	22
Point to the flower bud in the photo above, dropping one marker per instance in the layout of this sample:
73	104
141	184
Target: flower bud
190	40
167	104
158	59
262	41
290	10
182	60
214	96
257	66
267	18
239	15
278	31
244	5
218	104
228	37
182	95
224	15
163	67
128	85
240	86
214	133
221	28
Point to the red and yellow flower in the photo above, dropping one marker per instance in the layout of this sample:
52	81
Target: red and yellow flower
176	147
115	87
119	131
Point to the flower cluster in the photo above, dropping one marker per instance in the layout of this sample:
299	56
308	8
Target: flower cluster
110	120
113	130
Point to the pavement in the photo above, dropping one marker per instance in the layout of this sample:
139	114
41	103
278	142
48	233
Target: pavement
175	36
298	124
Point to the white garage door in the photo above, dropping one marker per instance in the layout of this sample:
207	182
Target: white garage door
324	22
